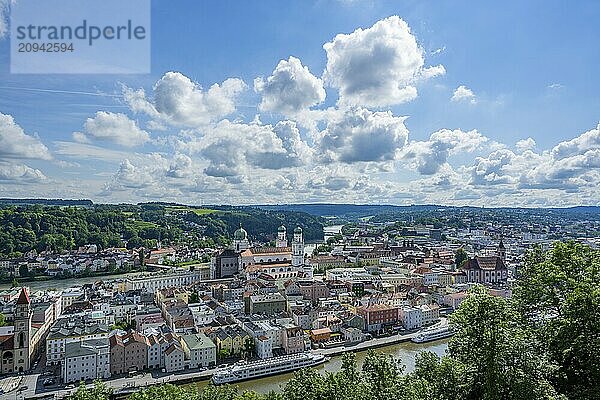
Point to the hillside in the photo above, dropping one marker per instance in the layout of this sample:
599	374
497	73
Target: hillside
58	228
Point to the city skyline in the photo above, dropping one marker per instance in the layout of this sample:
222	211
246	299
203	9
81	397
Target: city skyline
375	103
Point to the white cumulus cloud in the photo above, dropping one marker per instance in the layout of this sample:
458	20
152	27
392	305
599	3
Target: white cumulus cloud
15	143
358	134
428	156
377	66
463	93
19	173
290	88
525	144
582	143
232	149
113	127
179	101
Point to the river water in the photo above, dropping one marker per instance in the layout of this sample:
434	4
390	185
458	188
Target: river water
60	284
330	231
405	352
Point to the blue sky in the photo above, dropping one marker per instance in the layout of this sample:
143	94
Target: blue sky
485	75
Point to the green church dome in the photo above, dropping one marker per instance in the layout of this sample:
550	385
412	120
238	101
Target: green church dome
240	234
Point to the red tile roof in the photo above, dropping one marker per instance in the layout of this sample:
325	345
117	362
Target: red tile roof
23	297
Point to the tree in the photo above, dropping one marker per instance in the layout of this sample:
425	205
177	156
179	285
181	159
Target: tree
500	357
123	325
134	242
223	354
306	384
382	377
435	378
194	298
98	392
142	255
23	270
249	347
2	320
460	257
558	295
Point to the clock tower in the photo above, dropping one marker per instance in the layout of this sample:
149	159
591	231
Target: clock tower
23	317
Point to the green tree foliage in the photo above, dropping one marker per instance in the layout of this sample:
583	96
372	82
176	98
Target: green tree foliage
380	378
123	325
39	227
194	298
435	378
260	224
223	354
210	392
460	257
499	355
558	294
99	391
23	270
249	348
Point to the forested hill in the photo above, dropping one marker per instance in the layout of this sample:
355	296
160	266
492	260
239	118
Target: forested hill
47	202
59	228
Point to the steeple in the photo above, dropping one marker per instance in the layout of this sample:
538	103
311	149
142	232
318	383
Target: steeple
298	248
22	338
501	250
240	239
23	297
281	237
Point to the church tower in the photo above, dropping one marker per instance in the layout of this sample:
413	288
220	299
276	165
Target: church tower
502	250
23	317
240	240
297	248
281	237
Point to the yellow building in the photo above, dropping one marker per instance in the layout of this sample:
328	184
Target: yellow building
231	339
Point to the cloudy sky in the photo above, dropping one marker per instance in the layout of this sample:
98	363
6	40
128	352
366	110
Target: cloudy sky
413	102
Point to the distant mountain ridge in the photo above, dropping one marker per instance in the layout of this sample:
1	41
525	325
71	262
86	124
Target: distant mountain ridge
363	210
317	209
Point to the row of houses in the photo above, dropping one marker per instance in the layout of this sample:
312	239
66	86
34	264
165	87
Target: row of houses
80	349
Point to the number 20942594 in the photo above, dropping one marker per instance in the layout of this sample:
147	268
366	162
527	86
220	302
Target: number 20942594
49	47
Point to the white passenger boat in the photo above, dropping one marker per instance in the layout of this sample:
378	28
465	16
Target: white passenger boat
243	370
433	334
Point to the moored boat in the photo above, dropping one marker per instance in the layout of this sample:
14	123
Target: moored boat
434	334
243	370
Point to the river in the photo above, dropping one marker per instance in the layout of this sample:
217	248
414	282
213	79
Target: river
67	283
331	231
406	352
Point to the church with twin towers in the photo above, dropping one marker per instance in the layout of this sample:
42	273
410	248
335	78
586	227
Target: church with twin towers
282	262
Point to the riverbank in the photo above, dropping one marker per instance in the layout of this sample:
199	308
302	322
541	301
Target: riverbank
25	280
125	386
64	283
